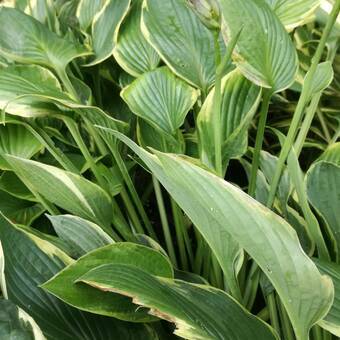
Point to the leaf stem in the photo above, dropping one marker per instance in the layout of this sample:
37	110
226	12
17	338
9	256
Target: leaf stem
259	141
164	221
273	315
301	104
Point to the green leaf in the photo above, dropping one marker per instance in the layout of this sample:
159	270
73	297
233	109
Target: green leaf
11	183
30	261
16	140
15	323
332	154
240	99
86	11
218	208
89	299
26	90
182	41
161	99
132	52
332	320
26	40
81	235
199	311
322	78
67	190
264	52
19	211
293	13
105	28
322	181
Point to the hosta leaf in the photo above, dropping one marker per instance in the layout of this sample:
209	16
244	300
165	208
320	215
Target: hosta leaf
293	13
89	299
19	211
15	323
240	99
180	38
332	320
105	28
264	51
332	154
81	235
266	237
322	78
11	183
86	11
132	52
322	181
16	140
65	189
29	262
44	11
199	312
27	90
161	99
26	40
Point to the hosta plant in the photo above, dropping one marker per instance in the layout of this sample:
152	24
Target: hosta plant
170	169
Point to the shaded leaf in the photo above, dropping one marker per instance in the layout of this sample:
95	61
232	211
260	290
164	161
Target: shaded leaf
81	235
86	11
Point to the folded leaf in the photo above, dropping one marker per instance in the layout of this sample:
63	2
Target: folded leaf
199	312
265	236
161	99
28	262
240	99
89	299
181	40
67	190
132	52
264	52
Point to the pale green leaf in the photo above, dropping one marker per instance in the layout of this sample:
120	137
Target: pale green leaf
105	28
89	299
26	40
265	236
240	99
199	312
182	41
81	235
65	189
332	320
30	261
322	78
293	13
331	154
86	11
264	51
161	99
132	52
